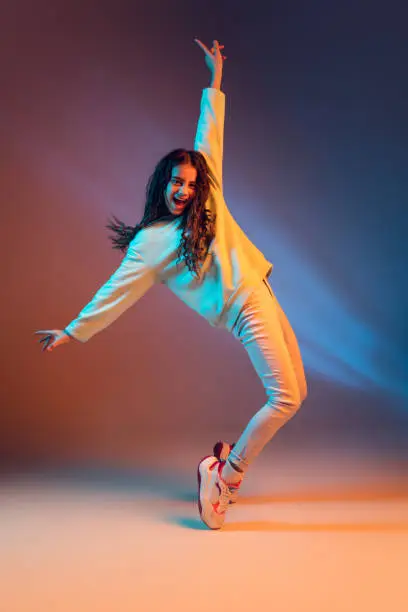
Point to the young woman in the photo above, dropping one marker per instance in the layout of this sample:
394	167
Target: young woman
189	241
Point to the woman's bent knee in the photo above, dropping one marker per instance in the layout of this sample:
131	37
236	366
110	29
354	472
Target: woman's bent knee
287	401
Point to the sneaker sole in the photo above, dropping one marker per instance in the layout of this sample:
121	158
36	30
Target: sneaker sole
200	508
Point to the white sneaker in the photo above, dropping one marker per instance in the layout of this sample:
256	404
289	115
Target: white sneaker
214	494
221	450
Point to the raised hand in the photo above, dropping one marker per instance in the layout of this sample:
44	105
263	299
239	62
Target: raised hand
52	338
213	58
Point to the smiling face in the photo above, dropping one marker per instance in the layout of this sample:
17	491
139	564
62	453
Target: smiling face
181	188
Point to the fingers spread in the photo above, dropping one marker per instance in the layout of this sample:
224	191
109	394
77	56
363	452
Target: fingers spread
203	47
215	48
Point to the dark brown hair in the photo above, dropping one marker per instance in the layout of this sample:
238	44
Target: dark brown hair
198	224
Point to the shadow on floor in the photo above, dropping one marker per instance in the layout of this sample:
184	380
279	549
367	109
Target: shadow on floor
139	482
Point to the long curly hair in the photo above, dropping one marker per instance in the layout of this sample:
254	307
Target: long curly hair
198	223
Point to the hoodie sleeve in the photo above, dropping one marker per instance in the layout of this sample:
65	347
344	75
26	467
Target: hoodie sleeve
129	283
209	138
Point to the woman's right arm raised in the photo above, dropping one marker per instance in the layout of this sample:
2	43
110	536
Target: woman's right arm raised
214	60
209	138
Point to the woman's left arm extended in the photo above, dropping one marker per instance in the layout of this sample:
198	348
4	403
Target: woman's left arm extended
209	138
129	283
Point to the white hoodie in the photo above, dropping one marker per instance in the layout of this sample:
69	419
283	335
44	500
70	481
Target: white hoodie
228	275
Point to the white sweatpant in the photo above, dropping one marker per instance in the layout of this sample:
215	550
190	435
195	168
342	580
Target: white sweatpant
266	334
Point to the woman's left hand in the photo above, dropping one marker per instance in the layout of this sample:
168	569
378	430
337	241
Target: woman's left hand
214	58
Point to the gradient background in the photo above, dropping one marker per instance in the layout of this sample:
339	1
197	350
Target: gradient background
315	166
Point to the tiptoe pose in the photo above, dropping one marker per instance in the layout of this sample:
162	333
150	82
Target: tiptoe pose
189	241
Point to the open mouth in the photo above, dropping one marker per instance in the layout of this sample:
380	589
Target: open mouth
179	203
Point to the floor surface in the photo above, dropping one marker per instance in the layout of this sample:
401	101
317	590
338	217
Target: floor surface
314	532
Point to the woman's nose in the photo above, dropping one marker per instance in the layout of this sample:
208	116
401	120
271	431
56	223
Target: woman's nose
183	190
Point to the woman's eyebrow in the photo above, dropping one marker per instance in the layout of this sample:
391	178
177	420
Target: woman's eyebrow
181	179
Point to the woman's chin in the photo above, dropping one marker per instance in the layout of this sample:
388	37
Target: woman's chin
178	210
